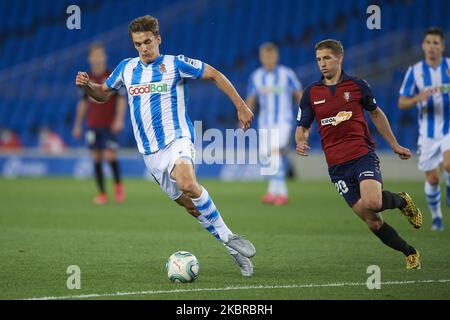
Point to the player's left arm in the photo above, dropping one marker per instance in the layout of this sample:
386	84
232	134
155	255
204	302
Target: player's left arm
245	115
118	122
381	122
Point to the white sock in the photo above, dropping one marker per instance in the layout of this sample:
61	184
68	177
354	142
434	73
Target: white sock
210	214
282	187
272	186
433	196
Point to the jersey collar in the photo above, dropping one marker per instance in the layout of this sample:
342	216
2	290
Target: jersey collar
344	77
157	60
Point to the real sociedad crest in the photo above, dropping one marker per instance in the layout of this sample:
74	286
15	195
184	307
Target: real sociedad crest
347	96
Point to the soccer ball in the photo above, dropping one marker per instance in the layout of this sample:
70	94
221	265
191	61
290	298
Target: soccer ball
182	266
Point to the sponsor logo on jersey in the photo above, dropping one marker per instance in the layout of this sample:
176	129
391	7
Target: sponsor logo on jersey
148	88
367	174
192	62
299	114
273	89
319	101
339	118
444	88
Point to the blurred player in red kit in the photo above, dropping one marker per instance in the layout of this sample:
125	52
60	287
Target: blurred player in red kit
104	122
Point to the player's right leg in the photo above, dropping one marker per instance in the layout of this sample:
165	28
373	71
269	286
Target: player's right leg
95	144
264	149
430	159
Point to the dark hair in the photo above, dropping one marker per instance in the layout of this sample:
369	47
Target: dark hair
144	23
333	45
268	46
436	32
95	46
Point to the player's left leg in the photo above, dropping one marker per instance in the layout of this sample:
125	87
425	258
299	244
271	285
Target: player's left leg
368	207
244	263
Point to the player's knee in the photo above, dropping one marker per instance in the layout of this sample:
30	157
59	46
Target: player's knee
189	187
189	206
433	179
447	167
374	224
373	204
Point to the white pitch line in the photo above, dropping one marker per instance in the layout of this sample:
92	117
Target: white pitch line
291	286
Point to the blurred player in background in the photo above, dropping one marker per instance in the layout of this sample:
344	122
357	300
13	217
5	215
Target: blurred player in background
105	121
157	95
273	87
337	102
427	86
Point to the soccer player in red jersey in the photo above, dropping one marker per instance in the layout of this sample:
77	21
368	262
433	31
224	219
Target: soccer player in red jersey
105	121
337	102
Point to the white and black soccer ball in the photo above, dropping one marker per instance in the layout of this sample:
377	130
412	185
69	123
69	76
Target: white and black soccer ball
182	267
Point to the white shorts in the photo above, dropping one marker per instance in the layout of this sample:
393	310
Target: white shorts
274	138
431	152
160	164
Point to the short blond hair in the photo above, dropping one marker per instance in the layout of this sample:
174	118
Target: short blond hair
334	45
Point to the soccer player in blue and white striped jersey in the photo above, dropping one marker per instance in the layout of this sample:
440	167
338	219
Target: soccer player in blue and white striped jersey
274	87
157	97
427	86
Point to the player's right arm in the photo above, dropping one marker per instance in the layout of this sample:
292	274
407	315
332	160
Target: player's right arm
405	102
99	92
409	93
81	112
305	117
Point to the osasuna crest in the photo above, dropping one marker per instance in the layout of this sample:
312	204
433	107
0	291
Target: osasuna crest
347	96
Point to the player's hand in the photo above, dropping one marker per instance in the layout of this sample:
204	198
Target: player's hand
245	116
302	148
403	153
117	126
76	132
423	95
82	79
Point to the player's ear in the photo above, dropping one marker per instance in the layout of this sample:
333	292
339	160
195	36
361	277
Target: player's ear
158	39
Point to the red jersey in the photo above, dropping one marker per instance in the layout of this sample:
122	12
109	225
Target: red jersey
100	115
339	114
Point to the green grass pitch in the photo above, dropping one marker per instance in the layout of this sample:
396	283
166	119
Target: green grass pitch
313	248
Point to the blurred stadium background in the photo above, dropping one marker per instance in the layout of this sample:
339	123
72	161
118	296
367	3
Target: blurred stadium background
40	58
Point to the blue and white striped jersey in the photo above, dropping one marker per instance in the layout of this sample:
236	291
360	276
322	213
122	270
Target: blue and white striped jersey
157	96
274	90
434	113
